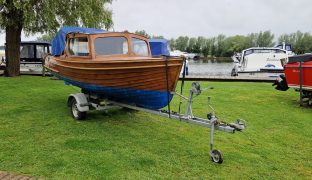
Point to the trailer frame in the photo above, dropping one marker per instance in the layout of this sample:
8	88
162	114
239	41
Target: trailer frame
80	103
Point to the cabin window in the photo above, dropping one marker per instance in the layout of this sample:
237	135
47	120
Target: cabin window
139	47
263	51
280	51
41	51
288	47
79	46
111	45
248	52
27	51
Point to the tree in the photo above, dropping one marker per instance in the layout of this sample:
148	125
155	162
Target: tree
46	37
182	43
143	33
191	44
172	44
158	37
235	44
200	41
251	40
207	47
220	45
265	39
301	42
46	16
213	46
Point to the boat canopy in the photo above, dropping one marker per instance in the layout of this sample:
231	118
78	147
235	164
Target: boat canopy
300	58
159	47
59	42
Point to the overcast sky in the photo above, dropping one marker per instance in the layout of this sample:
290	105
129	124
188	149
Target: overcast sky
172	18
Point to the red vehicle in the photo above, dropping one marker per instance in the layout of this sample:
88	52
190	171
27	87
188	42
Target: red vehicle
298	75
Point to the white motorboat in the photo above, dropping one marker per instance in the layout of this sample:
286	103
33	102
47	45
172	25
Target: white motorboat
261	59
178	53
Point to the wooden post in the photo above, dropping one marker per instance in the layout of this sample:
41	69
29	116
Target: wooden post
43	68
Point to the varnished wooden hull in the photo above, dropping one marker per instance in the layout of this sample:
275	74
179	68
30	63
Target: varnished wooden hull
138	81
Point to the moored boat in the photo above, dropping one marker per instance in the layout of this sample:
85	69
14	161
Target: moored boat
114	65
261	59
292	71
298	73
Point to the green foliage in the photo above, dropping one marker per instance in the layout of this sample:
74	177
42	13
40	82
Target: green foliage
181	43
40	138
191	45
301	42
199	44
226	46
143	33
172	44
265	39
235	44
46	37
208	47
221	45
158	37
47	16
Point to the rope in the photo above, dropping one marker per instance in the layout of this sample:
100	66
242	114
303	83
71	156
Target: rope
182	85
168	93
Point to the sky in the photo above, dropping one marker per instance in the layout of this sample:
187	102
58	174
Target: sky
208	18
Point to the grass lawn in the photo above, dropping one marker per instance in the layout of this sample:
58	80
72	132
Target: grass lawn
38	136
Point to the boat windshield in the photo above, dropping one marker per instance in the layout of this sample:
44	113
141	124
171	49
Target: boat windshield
263	51
27	51
79	46
111	45
139	47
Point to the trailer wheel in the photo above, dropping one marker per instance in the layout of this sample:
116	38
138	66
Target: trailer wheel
76	114
216	156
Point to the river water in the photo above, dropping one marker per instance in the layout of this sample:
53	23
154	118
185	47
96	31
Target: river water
210	67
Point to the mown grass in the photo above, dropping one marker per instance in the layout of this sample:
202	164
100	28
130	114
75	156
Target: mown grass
38	136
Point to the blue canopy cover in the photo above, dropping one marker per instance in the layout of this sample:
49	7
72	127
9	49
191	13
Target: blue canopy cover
59	42
159	47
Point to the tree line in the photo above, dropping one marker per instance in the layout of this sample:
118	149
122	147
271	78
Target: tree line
223	46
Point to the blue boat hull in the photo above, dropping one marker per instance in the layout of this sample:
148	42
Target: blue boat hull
142	98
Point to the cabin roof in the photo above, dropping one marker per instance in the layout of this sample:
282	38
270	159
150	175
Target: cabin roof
300	58
35	42
59	42
264	48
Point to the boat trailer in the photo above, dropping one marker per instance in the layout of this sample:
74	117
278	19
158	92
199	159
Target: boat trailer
80	103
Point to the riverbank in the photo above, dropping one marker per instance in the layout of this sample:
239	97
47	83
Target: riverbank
40	138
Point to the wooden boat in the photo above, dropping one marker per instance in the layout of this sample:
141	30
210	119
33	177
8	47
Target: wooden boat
114	65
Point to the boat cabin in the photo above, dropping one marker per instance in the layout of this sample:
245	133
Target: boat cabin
284	46
33	52
103	45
